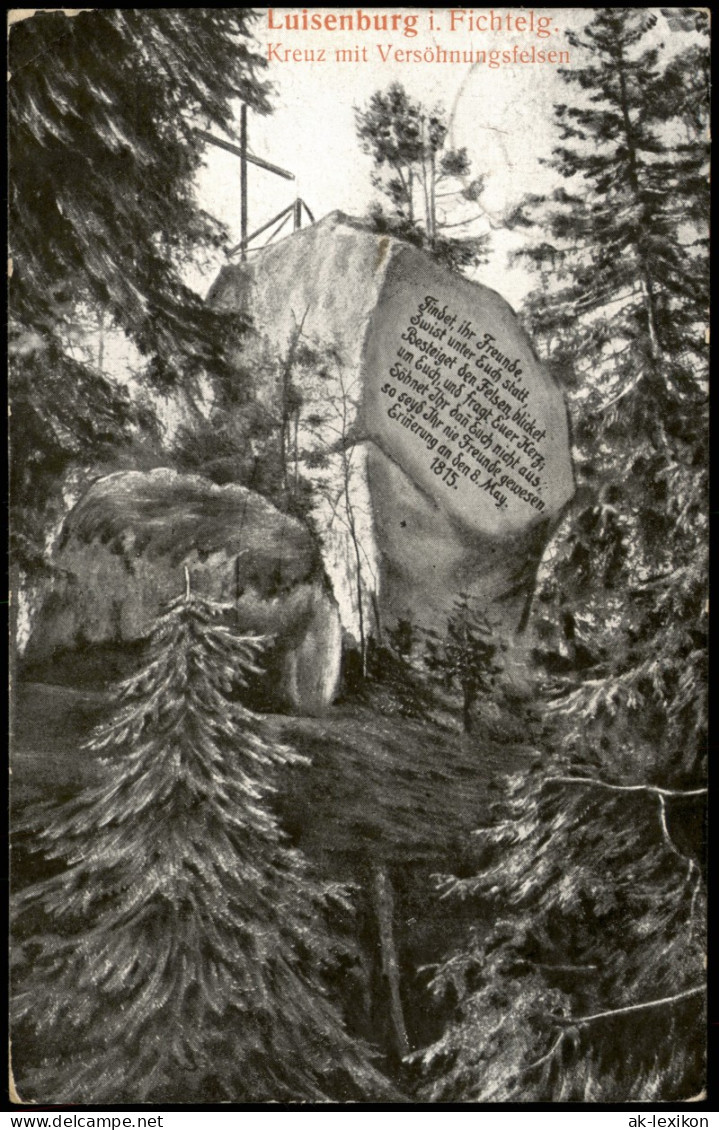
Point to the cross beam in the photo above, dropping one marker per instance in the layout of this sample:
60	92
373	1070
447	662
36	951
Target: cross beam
222	144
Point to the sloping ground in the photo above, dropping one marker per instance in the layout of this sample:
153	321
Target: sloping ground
390	789
378	791
396	790
48	725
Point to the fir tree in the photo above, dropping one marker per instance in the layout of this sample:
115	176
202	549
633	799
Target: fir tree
464	656
180	954
622	308
104	221
428	184
589	986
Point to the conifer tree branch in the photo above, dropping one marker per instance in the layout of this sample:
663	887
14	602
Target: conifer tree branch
623	392
661	795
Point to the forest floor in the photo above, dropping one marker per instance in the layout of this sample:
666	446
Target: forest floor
383	791
407	789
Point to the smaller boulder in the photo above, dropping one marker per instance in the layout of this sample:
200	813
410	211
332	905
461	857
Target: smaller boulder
122	556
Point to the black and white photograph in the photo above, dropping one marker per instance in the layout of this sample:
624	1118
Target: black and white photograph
358	414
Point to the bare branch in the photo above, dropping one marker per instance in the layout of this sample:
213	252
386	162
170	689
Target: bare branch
695	893
563	968
692	867
665	830
463	223
581	1021
550	1054
655	789
625	391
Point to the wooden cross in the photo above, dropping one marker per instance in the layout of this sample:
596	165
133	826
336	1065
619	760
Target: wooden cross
294	209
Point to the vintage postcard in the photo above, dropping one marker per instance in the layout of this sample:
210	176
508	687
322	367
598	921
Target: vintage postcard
358	394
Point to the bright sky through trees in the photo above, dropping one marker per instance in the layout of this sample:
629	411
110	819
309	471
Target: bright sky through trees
502	115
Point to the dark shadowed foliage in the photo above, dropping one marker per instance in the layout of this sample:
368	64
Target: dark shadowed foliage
590	986
103	221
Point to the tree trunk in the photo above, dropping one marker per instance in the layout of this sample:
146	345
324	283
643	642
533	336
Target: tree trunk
286	412
284	428
647	283
427	209
13	617
101	341
469	697
383	903
377	617
432	201
358	561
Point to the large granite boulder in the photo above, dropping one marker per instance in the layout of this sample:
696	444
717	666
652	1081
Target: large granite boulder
460	432
122	556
